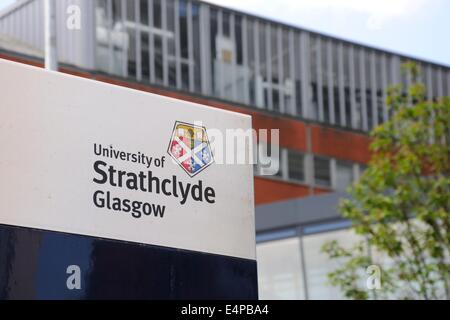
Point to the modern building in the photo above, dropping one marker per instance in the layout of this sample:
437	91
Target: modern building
323	93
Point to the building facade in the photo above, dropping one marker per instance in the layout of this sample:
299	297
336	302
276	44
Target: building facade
324	95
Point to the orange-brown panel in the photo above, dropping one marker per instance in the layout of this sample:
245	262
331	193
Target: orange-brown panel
21	60
341	144
292	132
268	191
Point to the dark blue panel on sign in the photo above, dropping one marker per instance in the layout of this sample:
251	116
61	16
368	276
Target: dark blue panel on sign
39	264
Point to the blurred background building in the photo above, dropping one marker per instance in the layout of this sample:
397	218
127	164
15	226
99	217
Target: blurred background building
324	94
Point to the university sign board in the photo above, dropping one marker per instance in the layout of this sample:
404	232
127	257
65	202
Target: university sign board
108	192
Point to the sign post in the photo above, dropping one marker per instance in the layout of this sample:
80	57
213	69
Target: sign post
107	192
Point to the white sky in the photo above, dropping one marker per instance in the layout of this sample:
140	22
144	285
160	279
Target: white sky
4	3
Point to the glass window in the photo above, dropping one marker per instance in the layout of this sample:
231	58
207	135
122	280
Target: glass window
158	59
296	168
145	50
144	12
324	75
183	29
144	39
335	77
224	55
435	82
184	46
226	24
380	69
287	82
358	86
119	40
251	61
213	22
298	77
344	175
171	50
313	61
131	30
322	172
185	76
347	98
318	264
280	270
367	65
116	13
261	89
102	36
157	41
238	38
240	71
157	14
196	46
445	82
274	80
115	43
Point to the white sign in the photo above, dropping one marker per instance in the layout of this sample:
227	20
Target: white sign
84	157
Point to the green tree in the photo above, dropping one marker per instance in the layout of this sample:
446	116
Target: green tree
400	207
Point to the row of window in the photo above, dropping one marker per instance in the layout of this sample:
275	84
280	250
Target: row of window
200	48
299	167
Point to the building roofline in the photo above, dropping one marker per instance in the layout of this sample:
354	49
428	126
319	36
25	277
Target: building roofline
21	3
326	35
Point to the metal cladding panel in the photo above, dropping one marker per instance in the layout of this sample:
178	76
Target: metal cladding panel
24	24
76	46
22	29
82	160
